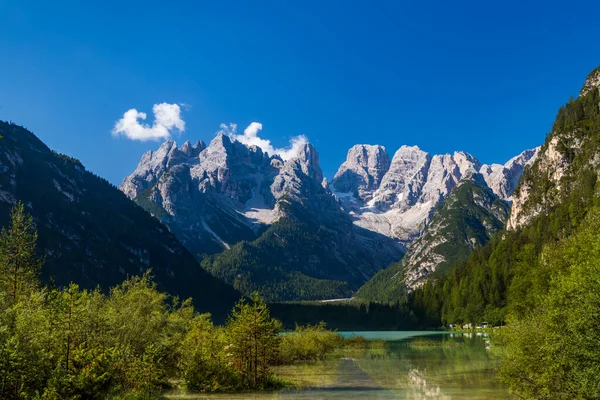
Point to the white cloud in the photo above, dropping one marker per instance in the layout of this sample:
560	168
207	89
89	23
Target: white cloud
167	119
251	138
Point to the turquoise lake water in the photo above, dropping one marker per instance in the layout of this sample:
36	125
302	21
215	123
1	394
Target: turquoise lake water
458	367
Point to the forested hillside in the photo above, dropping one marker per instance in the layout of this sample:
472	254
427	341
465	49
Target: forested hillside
91	233
292	260
509	276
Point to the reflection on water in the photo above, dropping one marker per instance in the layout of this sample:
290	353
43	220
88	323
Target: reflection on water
421	389
444	367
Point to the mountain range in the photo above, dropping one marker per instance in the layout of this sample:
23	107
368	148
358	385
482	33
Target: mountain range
278	225
261	223
228	212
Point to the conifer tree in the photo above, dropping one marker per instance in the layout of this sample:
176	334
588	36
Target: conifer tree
19	263
254	336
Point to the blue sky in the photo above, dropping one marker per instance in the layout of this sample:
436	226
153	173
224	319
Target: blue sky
483	77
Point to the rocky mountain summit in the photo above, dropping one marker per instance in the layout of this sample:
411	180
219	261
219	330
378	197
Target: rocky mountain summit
210	196
503	179
398	198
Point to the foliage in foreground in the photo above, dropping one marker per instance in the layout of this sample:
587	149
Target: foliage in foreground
553	352
70	343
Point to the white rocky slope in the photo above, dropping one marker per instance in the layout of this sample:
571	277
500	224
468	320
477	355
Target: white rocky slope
398	198
210	197
503	179
553	163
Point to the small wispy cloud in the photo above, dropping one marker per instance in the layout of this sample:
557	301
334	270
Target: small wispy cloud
250	137
167	120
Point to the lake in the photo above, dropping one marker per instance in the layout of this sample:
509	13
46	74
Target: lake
444	366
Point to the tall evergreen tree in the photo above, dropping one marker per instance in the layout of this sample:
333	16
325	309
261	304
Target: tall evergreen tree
19	263
255	340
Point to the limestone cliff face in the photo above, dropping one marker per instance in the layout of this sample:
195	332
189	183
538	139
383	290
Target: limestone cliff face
398	198
592	82
503	179
551	163
570	150
363	170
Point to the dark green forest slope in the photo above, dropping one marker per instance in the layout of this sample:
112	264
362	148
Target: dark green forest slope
285	263
91	233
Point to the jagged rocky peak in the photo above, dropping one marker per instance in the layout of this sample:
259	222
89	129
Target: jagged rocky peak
592	82
150	168
217	150
300	177
465	161
192	151
503	179
415	177
443	174
307	159
413	185
362	171
186	148
407	172
198	146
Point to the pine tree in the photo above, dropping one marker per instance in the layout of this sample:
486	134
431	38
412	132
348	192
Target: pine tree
19	263
255	340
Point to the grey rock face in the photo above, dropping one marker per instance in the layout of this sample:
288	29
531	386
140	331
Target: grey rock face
503	179
152	165
415	182
592	82
298	174
202	192
363	170
554	164
402	204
